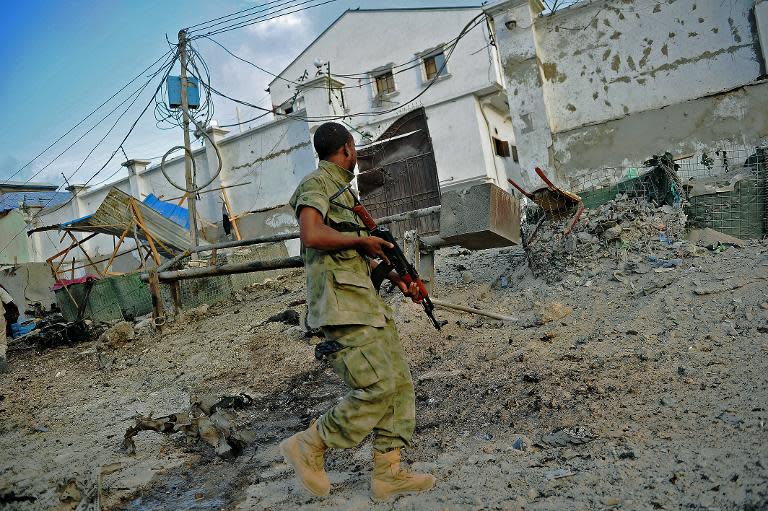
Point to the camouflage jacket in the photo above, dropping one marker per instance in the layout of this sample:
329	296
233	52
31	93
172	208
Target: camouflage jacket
339	287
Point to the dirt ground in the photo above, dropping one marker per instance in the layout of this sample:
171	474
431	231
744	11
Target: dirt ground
619	387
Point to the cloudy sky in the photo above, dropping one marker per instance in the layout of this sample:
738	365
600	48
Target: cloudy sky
63	58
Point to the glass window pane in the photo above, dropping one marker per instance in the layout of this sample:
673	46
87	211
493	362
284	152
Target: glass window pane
440	63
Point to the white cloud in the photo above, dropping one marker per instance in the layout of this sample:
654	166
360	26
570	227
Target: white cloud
278	26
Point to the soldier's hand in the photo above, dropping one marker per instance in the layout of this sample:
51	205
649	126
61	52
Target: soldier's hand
411	291
374	246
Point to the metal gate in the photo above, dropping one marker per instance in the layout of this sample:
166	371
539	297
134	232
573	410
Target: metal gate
398	173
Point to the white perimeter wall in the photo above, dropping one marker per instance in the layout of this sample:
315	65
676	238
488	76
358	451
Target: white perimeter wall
269	161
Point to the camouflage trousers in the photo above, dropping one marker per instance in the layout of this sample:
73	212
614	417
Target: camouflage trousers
381	398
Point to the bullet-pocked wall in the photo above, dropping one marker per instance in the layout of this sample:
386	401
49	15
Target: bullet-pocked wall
610	83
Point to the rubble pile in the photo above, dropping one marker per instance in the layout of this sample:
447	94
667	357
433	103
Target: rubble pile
622	230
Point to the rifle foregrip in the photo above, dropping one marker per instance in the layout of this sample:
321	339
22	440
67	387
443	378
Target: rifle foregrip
366	217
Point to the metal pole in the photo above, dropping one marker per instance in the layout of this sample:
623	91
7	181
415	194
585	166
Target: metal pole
189	178
227	269
494	315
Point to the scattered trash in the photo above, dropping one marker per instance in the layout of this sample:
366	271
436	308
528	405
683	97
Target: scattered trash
288	317
208	420
657	262
567	436
53	331
558	473
521	443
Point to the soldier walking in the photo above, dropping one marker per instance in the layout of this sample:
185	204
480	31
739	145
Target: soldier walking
361	341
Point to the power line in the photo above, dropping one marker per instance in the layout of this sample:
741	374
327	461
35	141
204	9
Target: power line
249	62
467	28
231	14
89	130
281	4
133	126
257	20
86	117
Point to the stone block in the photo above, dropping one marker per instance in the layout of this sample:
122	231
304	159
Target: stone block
479	217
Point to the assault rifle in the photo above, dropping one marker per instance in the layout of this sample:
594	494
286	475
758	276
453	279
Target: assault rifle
397	259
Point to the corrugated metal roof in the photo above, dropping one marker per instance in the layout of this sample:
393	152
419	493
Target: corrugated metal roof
26	185
46	199
169	210
114	215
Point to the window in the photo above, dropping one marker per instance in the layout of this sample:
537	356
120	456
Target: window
515	157
434	66
385	83
501	148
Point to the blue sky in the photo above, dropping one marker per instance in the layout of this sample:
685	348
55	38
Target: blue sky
60	59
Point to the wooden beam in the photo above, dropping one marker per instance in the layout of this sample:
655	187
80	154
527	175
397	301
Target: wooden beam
79	245
140	220
230	213
117	247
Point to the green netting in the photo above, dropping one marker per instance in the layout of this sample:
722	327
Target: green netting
653	185
110	299
740	212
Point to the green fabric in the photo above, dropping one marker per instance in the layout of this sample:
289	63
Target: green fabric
381	398
339	287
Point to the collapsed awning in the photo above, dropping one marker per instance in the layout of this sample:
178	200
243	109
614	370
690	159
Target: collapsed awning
115	216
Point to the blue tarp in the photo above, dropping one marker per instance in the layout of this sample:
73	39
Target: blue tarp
171	211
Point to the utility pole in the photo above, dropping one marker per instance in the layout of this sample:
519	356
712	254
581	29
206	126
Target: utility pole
190	179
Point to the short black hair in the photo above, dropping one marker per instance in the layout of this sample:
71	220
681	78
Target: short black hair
329	138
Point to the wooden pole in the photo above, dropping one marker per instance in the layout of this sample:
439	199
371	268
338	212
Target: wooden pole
79	244
189	177
232	218
494	315
140	220
117	247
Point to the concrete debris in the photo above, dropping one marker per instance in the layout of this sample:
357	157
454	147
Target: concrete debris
567	436
622	230
711	238
118	334
208	420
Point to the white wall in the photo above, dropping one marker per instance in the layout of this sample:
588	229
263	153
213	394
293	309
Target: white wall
638	56
271	159
459	134
607	83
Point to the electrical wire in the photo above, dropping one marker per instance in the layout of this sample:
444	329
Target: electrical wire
83	120
467	28
117	149
257	20
281	5
231	14
249	62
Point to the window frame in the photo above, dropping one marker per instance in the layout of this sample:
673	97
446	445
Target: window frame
423	56
501	148
388	77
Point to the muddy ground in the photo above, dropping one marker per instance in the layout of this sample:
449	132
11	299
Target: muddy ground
620	387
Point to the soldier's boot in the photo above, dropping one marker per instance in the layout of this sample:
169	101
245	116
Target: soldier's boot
304	452
390	479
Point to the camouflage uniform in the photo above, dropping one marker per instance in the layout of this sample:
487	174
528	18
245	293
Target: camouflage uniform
343	302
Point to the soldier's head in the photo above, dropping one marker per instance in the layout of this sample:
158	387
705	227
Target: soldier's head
334	143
